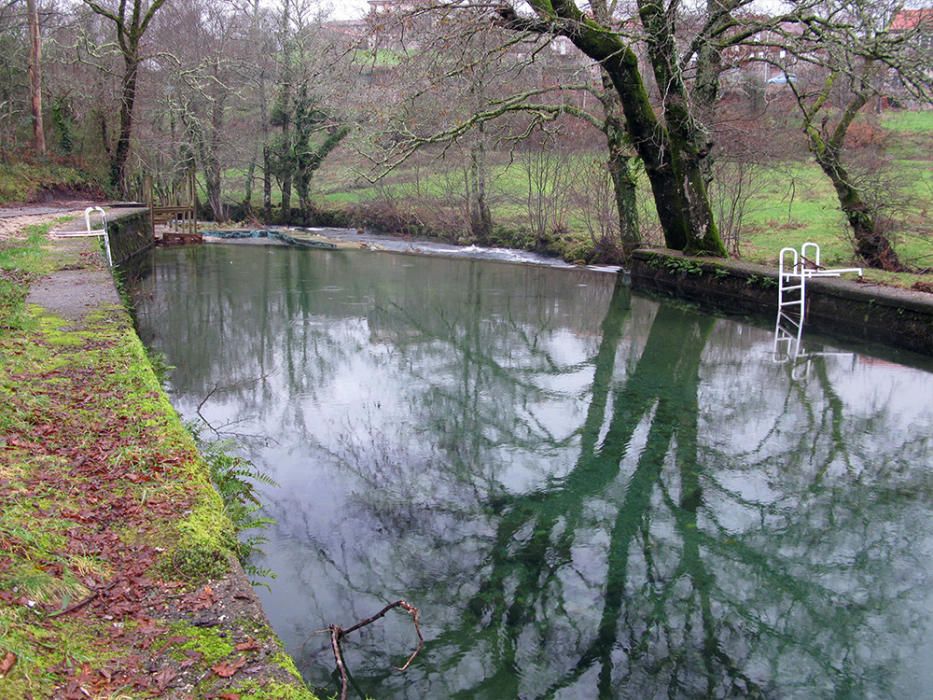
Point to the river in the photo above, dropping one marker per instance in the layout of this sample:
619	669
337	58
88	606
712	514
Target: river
585	491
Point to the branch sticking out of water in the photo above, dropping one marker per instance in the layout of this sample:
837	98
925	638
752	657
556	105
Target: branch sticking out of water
219	430
337	633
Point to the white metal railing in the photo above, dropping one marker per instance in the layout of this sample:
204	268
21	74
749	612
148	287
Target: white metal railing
792	295
89	230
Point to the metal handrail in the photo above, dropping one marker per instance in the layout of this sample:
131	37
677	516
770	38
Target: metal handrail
90	231
793	278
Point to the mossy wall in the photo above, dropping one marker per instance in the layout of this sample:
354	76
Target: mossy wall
896	317
130	233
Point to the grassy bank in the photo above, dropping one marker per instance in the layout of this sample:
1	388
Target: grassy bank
28	181
117	568
788	201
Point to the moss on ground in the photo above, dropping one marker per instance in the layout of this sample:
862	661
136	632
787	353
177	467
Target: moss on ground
110	531
253	690
21	262
205	641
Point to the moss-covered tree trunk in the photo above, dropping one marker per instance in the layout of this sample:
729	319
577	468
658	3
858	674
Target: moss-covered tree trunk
672	151
688	142
672	164
310	160
871	245
620	168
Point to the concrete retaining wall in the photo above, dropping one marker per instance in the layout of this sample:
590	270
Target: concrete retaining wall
861	311
130	233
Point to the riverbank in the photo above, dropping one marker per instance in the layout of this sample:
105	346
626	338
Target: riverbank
858	309
117	567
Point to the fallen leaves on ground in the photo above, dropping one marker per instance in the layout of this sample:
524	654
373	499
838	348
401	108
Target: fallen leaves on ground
225	669
248	645
7	663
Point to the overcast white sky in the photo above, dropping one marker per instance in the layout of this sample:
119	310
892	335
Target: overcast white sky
348	9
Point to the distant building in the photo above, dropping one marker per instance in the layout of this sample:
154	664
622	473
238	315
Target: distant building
920	23
380	7
761	59
920	20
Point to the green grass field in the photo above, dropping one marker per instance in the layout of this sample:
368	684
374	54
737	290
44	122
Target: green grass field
792	201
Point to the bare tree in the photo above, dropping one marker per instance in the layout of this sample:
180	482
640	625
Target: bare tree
131	24
853	55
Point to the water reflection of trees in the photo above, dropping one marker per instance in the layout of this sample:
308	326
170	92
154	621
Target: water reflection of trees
718	530
693	601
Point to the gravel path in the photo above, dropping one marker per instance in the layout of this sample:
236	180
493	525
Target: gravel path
14	220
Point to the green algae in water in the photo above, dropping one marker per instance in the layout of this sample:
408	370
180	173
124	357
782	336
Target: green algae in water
588	493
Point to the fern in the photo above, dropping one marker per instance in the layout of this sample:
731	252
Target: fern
236	480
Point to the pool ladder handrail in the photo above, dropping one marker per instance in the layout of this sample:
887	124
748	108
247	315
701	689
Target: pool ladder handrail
792	295
89	230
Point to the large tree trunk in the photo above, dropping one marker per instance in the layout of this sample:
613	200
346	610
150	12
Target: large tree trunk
620	170
35	76
215	193
672	167
213	183
130	30
310	161
706	84
303	187
672	152
624	188
121	153
247	202
266	184
688	142
287	155
480	216
286	186
871	245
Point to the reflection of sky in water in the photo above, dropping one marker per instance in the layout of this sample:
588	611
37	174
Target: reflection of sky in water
694	523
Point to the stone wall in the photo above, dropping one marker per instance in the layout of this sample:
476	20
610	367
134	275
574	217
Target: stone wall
130	233
861	311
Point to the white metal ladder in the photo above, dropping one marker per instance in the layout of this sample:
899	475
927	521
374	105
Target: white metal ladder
89	230
792	295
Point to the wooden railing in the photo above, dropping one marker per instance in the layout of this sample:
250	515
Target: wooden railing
178	215
179	219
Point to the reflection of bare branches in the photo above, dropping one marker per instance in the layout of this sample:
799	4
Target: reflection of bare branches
688	533
220	429
337	633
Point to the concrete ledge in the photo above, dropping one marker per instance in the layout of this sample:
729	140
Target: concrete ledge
898	317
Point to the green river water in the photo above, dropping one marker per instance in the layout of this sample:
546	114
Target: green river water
588	493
